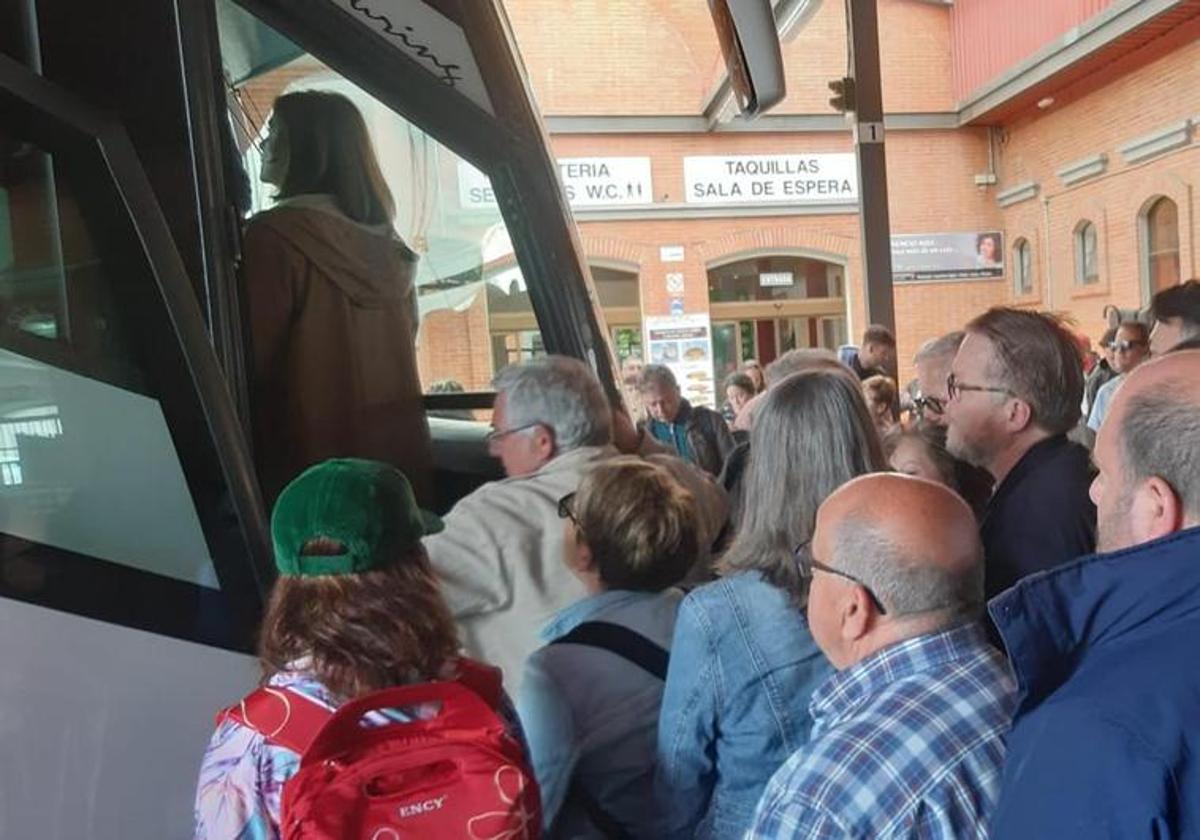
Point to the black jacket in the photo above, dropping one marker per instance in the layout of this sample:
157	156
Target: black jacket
1041	515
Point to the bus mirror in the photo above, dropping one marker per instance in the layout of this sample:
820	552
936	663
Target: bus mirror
750	43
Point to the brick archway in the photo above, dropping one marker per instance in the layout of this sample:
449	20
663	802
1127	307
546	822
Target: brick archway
820	245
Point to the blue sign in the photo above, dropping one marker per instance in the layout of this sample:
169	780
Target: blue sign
676	306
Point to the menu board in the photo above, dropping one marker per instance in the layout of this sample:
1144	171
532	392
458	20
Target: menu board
684	344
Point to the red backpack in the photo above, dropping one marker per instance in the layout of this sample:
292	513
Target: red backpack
457	774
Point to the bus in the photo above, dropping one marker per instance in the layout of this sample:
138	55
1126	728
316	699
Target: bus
134	541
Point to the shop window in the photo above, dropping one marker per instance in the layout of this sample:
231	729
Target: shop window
1160	243
1087	263
1023	267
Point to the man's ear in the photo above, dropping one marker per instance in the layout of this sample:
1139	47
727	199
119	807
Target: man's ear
1020	414
542	441
1156	510
856	614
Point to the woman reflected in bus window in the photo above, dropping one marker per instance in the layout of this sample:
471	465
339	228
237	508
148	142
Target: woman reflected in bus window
329	291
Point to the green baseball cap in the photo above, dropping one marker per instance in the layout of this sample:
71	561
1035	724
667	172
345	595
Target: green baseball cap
367	506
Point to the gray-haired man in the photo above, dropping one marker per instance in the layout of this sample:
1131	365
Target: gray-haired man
500	556
908	736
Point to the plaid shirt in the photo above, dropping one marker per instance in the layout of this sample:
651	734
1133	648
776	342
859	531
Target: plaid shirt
907	743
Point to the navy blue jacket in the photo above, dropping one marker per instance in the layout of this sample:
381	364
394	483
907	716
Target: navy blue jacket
1106	739
1040	516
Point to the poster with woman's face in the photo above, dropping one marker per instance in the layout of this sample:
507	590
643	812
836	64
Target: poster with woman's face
947	256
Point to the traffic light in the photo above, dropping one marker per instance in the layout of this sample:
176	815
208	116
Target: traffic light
843	100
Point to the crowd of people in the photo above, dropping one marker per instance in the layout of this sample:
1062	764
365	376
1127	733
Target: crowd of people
833	608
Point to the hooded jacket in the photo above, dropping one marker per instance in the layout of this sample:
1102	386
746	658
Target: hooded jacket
1106	740
331	308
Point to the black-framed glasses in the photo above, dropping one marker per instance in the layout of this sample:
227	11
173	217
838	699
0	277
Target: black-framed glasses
955	389
1126	346
807	563
499	434
931	404
566	508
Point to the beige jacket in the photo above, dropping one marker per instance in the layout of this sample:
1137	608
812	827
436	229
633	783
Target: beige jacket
500	561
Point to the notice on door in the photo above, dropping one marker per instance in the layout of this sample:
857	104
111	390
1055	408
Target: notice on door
684	344
771	179
586	182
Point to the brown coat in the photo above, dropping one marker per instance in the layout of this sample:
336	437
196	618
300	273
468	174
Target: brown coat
331	308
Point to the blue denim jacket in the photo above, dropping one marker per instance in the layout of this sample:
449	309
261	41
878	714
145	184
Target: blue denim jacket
591	715
743	668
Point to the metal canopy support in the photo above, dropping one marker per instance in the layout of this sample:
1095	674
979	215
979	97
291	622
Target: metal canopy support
863	27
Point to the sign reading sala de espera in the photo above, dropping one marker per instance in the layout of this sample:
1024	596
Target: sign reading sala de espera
586	182
765	179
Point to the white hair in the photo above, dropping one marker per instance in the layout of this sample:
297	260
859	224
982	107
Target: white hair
558	392
907	584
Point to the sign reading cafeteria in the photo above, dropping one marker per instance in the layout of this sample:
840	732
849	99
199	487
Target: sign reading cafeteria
947	256
763	179
587	182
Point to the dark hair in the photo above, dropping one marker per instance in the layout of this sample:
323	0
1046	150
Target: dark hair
329	151
1110	335
640	524
1160	436
973	484
741	380
1182	302
933	438
878	334
1038	360
995	237
812	435
361	632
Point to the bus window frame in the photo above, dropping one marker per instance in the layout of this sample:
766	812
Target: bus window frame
512	150
172	349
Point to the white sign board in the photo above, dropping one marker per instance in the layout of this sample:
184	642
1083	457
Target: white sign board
586	182
426	36
674	282
776	278
684	344
670	253
771	179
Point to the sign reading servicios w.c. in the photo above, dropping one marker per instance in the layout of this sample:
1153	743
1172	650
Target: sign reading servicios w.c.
771	179
586	182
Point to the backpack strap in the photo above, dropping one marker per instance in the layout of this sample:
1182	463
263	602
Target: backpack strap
285	718
625	643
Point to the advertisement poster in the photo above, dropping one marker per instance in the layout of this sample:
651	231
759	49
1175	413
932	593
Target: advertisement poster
947	256
684	344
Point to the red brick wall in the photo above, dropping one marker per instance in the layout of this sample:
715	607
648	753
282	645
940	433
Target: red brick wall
1037	144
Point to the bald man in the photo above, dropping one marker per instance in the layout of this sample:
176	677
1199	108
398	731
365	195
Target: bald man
908	737
1107	740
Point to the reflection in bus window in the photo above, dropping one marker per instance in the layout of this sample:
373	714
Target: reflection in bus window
87	463
445	209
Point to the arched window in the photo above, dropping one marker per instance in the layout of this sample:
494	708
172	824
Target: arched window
1087	263
1160	241
1022	267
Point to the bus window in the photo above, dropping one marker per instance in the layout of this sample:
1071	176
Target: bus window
91	483
474	309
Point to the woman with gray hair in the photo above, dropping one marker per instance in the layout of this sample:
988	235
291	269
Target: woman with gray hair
743	662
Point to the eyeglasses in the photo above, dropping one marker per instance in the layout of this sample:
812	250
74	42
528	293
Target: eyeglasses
931	404
955	389
566	508
807	563
499	434
1126	346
